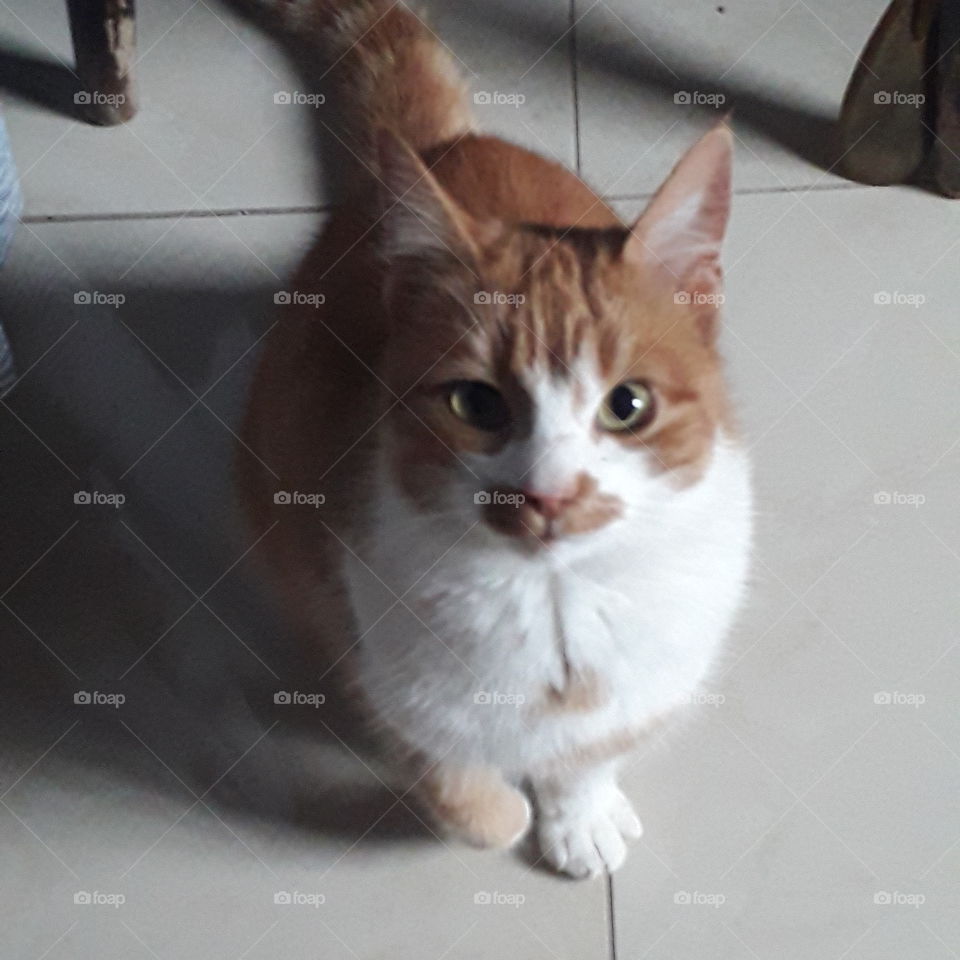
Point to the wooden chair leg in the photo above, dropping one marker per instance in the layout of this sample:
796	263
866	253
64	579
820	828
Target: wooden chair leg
946	148
104	44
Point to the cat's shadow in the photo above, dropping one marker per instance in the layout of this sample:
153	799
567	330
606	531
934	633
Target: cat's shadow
157	600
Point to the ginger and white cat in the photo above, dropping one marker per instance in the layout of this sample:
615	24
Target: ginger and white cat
537	513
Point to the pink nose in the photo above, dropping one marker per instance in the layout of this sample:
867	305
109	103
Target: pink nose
549	505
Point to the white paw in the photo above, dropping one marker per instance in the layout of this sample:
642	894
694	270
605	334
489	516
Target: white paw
583	839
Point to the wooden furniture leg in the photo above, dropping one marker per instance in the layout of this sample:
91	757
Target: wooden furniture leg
946	148
104	43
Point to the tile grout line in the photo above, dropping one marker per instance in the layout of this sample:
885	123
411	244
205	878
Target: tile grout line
611	918
575	82
760	191
194	214
191	214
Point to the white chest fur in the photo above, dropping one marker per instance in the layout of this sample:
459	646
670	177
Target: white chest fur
462	635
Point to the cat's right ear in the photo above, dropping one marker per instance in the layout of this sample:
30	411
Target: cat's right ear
420	220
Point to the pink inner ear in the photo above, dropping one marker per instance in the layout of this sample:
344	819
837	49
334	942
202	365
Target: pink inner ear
681	231
420	218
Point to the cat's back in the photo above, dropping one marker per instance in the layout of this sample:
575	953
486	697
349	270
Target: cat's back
491	178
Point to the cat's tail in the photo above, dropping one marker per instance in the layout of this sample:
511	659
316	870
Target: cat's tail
388	68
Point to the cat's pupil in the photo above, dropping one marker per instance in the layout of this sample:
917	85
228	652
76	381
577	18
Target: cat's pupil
483	406
624	403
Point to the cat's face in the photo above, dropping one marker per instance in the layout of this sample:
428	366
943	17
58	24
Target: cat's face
555	384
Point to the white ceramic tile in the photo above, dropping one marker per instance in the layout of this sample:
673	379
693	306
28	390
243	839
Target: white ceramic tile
782	67
516	59
208	134
197	883
836	737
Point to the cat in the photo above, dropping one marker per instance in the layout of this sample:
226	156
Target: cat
525	509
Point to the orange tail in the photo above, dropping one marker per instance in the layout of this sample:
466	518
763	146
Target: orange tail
389	69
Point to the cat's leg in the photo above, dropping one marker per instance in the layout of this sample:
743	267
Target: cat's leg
476	804
584	819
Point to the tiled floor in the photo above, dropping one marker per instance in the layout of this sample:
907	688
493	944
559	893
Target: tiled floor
808	809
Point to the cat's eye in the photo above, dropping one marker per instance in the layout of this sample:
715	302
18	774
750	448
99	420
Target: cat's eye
628	406
479	404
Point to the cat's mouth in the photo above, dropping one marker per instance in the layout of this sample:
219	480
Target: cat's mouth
541	521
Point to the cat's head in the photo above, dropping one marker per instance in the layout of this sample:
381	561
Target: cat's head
554	382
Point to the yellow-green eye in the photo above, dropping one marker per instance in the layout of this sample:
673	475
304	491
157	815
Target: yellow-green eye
628	406
479	404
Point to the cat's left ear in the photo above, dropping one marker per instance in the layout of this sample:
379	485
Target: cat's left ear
681	231
420	220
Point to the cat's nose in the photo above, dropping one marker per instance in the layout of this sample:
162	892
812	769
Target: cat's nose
548	504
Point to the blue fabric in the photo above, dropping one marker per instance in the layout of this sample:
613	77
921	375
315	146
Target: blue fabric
11	205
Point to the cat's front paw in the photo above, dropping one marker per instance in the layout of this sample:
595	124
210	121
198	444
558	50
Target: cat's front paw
477	805
585	838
